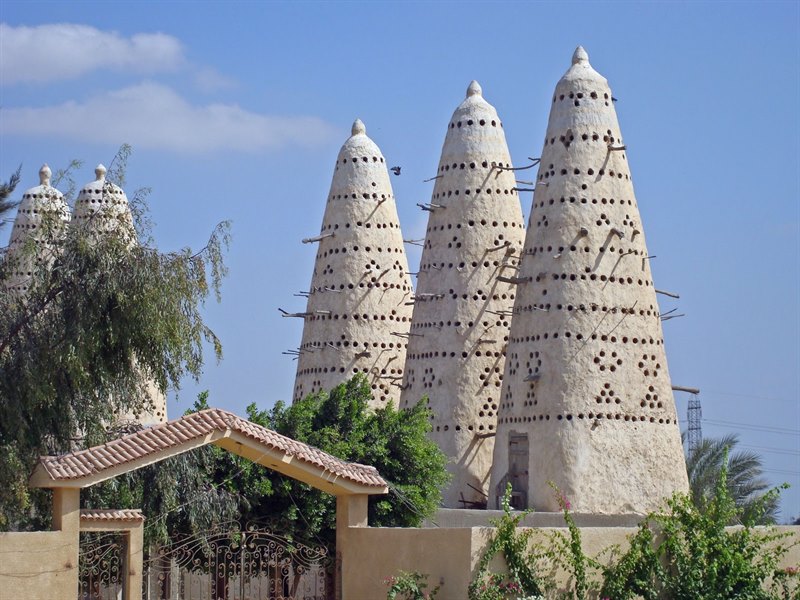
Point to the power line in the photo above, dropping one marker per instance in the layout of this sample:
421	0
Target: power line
775	450
765	428
782	472
740	395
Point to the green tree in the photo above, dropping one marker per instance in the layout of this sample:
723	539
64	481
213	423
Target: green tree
6	189
689	553
88	337
212	488
393	441
746	484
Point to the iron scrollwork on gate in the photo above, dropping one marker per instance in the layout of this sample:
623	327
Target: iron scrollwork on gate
253	563
101	565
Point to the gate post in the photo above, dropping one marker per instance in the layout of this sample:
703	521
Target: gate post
351	511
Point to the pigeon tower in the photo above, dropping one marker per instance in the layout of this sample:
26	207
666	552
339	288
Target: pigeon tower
102	207
41	217
587	402
464	296
358	311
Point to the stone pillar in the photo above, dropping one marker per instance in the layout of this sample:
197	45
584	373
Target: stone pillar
465	293
587	401
358	311
135	562
67	520
351	511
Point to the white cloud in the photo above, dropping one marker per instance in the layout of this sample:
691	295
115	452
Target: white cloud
65	51
207	79
151	115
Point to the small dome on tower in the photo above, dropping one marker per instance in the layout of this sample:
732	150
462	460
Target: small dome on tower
358	146
41	216
40	199
474	89
581	72
103	205
359	128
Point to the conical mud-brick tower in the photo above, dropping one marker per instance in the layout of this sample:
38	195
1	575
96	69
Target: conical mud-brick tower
38	227
587	402
102	209
358	311
465	292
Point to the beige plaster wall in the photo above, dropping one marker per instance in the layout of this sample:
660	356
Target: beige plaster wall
371	555
38	565
450	555
43	565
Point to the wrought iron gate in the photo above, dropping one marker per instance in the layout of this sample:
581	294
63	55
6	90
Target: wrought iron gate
249	564
101	566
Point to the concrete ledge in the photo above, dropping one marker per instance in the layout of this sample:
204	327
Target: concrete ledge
451	517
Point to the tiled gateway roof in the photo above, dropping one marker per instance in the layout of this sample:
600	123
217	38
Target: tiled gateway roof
208	426
105	515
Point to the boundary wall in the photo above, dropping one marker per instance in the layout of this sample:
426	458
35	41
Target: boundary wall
450	556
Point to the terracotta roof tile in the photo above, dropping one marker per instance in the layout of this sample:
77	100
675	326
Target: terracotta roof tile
164	436
92	514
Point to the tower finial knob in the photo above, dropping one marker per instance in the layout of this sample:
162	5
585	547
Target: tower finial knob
359	128
474	89
100	172
580	55
44	175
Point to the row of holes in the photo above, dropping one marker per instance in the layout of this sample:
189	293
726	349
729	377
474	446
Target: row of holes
363	159
611	249
600	173
474	264
485	164
332	288
357	317
471	223
475	297
335	226
464	354
50	195
44	210
579	336
580	95
480	122
106	189
115	201
574	200
490	427
590	416
469	325
365	370
364	195
374	284
477	191
343	250
347	343
569	137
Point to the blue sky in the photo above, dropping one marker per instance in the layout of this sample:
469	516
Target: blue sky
236	111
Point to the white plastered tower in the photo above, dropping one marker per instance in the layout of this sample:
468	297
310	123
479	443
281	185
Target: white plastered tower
101	208
464	295
587	402
358	311
40	224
